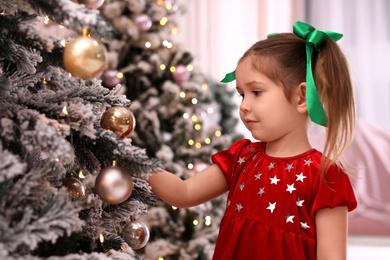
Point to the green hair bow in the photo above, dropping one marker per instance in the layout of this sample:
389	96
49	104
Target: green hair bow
313	39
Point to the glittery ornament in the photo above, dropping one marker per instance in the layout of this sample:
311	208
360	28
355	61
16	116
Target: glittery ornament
110	78
85	57
136	234
92	4
114	185
143	22
118	119
181	74
75	187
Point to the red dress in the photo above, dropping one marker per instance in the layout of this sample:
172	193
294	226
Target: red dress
272	202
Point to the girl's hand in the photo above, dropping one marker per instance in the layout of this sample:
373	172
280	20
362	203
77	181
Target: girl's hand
198	189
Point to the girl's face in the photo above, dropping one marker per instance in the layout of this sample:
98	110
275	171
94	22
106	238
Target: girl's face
264	109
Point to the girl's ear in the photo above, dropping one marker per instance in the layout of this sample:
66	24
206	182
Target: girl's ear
300	97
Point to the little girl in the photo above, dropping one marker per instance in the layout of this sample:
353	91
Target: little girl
286	200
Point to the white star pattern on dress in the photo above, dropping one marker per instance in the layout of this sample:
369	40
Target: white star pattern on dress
290	188
271	166
300	202
289	218
274	180
252	149
304	225
272	206
289	167
241	160
308	162
261	192
239	207
241	186
228	203
300	177
257	176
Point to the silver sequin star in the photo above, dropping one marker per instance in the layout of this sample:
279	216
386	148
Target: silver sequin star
274	180
300	202
241	160
290	188
271	166
272	206
300	177
239	207
257	176
289	167
261	191
304	225
241	186
308	162
289	218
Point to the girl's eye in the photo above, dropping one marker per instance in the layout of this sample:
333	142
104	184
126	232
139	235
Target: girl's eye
257	92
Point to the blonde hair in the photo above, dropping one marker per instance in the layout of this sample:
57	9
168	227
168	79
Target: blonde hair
282	57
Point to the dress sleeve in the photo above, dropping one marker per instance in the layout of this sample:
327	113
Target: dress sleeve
227	159
337	191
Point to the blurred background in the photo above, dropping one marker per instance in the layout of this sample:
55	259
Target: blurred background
218	32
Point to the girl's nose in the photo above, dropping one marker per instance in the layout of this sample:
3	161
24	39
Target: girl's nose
244	107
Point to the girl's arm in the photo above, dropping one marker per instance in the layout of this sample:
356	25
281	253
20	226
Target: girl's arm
200	188
331	227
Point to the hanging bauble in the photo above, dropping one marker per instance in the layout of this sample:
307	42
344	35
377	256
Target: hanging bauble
114	185
181	74
118	119
136	234
143	22
75	188
92	4
110	78
85	57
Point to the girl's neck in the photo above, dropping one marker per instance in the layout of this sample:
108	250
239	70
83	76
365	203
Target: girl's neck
288	148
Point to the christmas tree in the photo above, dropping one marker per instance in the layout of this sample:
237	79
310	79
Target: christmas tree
183	117
73	118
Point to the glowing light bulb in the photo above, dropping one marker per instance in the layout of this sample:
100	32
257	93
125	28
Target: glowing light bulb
174	30
190	67
65	110
198	145
81	175
186	115
101	237
44	81
119	75
148	45
207	140
163	21
195	222
197	127
162	67
194	118
173	69
218	133
191	142
194	101
205	86
46	20
174	208
182	94
210	110
63	42
190	166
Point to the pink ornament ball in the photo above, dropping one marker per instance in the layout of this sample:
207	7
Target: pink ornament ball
181	74
143	22
110	78
91	4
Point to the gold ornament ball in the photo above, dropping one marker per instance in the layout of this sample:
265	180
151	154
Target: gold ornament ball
75	188
114	185
85	57
136	234
118	119
92	4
